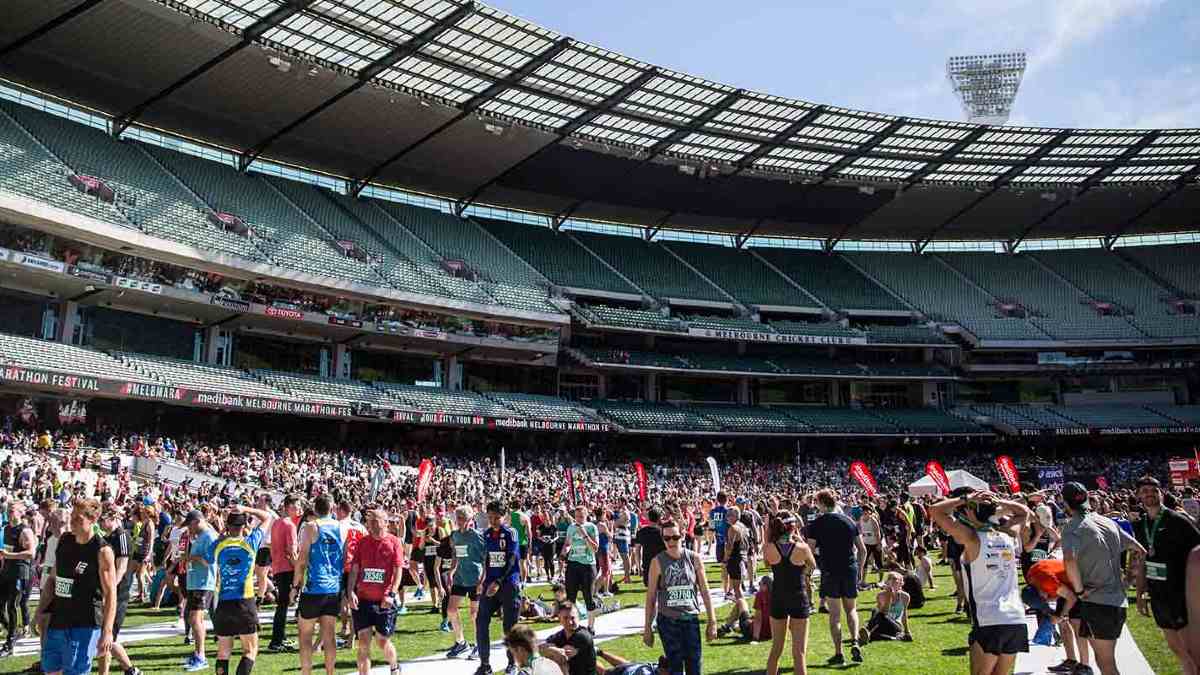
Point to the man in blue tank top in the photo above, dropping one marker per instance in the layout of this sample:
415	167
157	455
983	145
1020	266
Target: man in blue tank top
319	571
500	587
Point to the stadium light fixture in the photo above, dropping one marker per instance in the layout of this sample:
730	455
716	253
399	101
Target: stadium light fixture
986	84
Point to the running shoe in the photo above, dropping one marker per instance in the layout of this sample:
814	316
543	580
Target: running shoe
1066	666
6	650
856	654
435	610
342	643
474	653
458	650
401	611
510	669
134	670
419	594
445	627
195	664
483	670
1082	670
836	660
187	640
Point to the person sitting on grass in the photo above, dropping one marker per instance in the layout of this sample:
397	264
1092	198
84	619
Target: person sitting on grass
925	568
760	624
890	619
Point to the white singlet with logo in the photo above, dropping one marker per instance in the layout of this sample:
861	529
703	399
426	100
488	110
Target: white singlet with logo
992	581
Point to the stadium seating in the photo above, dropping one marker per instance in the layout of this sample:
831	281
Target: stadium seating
626	357
536	406
747	419
287	235
907	334
731	364
321	389
906	370
28	170
201	376
505	276
28	352
1174	266
839	420
926	421
649	266
624	317
804	365
1107	278
740	274
823	328
1183	415
831	279
1114	417
927	284
557	256
644	415
433	399
1056	307
726	323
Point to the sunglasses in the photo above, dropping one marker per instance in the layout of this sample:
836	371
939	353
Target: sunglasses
674	538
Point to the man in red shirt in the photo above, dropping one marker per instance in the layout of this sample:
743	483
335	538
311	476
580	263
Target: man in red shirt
1049	578
283	567
375	576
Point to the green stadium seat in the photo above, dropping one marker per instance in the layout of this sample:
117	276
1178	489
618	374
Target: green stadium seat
557	256
831	279
649	266
742	275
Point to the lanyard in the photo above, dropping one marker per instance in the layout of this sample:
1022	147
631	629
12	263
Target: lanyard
1152	531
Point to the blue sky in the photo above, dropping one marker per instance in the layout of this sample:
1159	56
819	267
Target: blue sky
1092	63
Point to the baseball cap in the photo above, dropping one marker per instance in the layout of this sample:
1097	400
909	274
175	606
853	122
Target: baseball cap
235	520
1075	495
192	517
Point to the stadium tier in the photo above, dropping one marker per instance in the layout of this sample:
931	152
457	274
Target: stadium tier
907	334
741	274
829	328
1174	267
27	352
538	406
727	323
322	389
647	416
201	376
557	256
623	317
651	267
746	419
831	279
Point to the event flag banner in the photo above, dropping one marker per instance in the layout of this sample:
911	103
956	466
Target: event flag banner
569	475
639	470
424	478
1008	471
862	474
716	475
502	469
938	474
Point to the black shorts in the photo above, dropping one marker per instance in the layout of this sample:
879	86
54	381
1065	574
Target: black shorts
232	618
471	592
263	557
314	606
735	567
418	554
1170	610
1100	622
372	615
1006	639
839	585
795	608
198	601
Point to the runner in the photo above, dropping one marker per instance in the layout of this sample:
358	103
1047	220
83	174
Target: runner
519	521
582	546
548	542
374	577
466	573
83	604
716	518
737	541
284	554
792	563
236	613
118	540
650	542
500	585
433	577
990	565
319	567
445	565
20	545
1168	537
622	536
872	535
675	579
841	550
201	584
1092	546
353	532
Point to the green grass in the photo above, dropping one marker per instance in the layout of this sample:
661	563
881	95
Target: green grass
939	647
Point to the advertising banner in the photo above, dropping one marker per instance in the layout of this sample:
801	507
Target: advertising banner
778	338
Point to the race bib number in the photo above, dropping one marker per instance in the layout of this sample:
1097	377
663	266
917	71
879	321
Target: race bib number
496	558
460	551
1037	555
63	586
431	551
1156	571
579	547
372	575
681	596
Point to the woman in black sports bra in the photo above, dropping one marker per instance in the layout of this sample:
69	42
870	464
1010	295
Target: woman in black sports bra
791	562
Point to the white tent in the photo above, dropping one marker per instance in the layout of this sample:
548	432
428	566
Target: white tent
958	478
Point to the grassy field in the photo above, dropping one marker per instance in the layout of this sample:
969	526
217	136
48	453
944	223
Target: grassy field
939	647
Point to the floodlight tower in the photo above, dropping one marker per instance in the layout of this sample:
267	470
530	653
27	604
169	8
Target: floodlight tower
986	84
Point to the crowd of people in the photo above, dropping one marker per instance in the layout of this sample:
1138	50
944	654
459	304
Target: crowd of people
334	539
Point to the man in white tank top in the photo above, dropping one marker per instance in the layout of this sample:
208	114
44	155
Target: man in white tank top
991	571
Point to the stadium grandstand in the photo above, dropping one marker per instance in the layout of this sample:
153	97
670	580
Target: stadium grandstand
433	224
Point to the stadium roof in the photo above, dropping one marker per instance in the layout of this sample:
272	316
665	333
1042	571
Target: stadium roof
463	100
